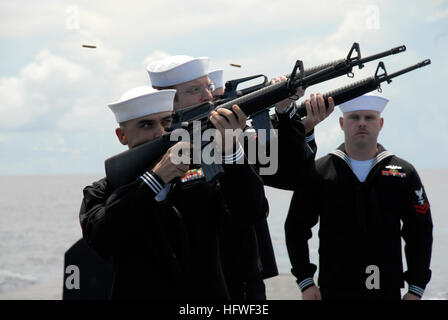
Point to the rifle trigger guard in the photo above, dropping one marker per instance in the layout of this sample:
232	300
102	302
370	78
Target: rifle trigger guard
350	74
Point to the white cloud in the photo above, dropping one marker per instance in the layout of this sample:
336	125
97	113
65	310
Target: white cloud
13	112
24	18
440	15
47	66
41	92
67	93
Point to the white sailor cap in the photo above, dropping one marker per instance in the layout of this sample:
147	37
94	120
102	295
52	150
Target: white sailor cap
176	69
364	102
142	101
216	76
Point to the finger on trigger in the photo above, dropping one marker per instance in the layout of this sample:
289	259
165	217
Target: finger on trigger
239	113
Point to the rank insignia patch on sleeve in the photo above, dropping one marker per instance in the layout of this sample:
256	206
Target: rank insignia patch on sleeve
422	209
423	205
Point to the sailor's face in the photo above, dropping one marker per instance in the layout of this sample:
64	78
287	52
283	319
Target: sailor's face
361	127
192	92
144	129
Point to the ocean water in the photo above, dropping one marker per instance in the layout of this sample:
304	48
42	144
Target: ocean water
39	222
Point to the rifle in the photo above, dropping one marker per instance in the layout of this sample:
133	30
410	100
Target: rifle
260	119
361	87
347	65
128	165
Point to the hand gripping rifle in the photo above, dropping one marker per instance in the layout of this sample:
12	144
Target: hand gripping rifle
359	88
129	165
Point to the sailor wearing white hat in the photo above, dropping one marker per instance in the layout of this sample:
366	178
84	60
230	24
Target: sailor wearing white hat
365	199
191	78
182	72
142	101
177	69
143	114
188	75
362	123
165	247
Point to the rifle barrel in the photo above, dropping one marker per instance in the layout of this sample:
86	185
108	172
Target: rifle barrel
383	54
408	69
344	66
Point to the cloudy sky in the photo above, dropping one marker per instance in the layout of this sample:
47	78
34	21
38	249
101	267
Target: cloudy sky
54	93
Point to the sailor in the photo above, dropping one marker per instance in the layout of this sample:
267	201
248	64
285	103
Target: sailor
360	193
239	249
162	230
247	253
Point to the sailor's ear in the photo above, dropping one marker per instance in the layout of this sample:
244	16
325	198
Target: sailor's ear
121	136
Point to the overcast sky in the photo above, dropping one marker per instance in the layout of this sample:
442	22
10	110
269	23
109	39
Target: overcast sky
54	93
